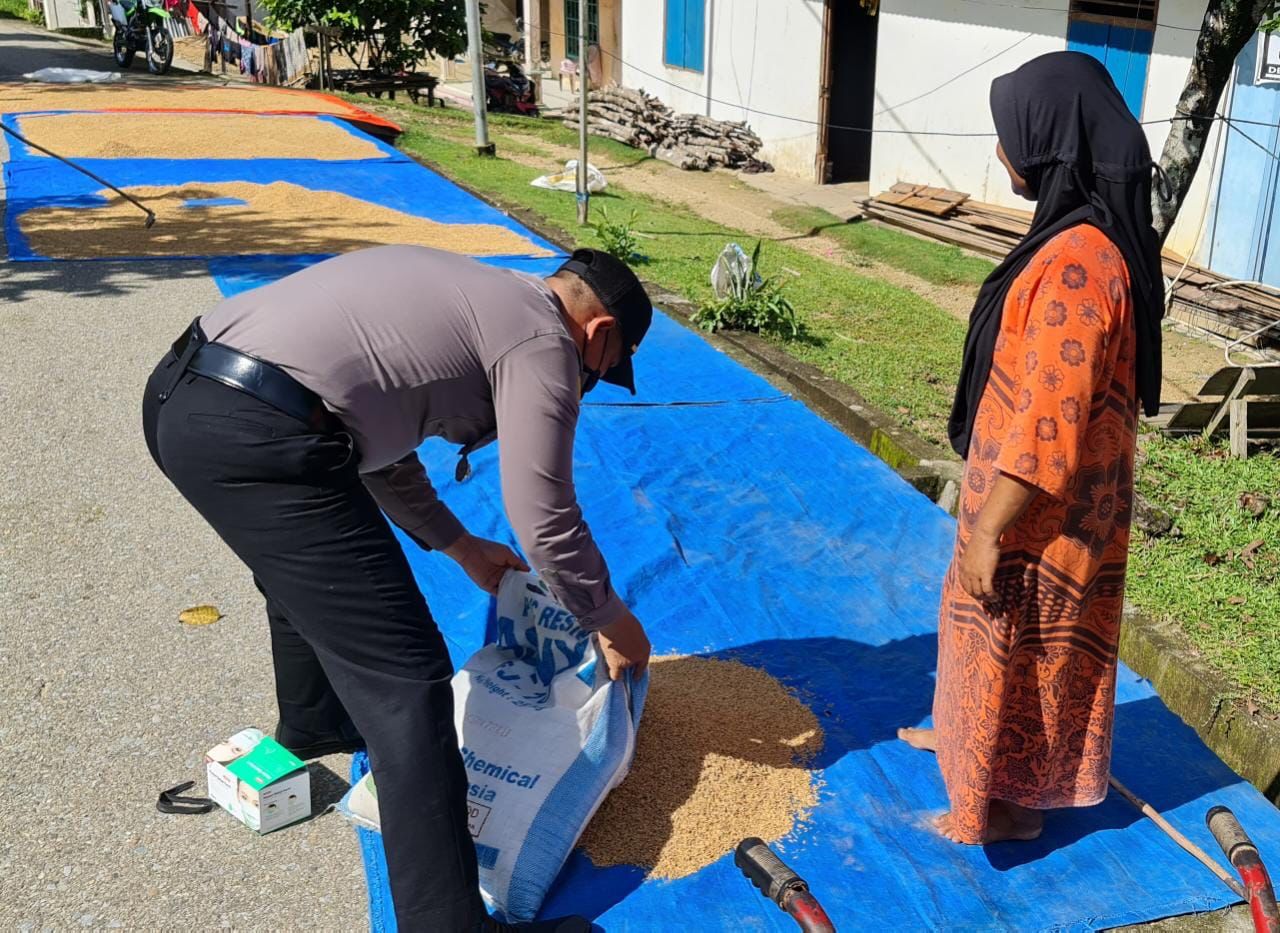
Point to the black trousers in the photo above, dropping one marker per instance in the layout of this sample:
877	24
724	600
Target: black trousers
352	639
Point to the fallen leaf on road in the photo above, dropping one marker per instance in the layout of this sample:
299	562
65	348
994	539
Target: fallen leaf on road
199	615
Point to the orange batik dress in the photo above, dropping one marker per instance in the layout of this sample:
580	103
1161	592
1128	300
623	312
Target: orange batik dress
1025	698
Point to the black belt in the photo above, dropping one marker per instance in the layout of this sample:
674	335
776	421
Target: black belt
263	381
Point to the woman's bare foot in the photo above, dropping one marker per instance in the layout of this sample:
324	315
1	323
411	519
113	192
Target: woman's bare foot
1006	822
918	738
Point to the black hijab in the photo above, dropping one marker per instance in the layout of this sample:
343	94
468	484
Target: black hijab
1067	131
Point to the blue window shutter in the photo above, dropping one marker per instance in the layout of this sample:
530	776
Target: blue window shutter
1126	53
1090	38
673	53
695	17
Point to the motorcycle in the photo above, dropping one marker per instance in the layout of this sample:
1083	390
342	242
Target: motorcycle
509	92
142	26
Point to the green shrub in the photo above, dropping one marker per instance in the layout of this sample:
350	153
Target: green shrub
753	304
617	237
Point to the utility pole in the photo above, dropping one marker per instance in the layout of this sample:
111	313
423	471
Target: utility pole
584	196
479	97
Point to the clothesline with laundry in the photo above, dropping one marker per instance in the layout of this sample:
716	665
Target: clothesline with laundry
277	59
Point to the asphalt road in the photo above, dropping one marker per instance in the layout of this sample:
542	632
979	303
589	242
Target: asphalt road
105	699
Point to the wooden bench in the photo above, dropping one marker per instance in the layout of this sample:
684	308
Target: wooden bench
1243	399
413	84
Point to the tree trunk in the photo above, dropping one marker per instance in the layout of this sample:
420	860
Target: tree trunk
1227	26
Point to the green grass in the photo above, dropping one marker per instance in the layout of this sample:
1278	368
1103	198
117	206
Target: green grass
899	350
458	125
934	262
18	9
1230	611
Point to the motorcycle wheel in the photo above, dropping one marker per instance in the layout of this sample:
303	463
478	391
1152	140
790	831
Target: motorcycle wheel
121	49
160	55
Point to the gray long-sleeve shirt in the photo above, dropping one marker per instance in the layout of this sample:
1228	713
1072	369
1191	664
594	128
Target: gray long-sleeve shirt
404	343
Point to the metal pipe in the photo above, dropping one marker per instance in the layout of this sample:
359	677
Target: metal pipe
584	78
151	216
479	97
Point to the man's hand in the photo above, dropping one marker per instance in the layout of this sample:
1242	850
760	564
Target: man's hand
486	562
624	646
977	567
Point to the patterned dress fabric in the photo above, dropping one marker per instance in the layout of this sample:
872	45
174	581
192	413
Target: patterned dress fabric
1025	695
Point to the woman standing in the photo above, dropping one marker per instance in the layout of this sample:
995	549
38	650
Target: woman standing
1063	343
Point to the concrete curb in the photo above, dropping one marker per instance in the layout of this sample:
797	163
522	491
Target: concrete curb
1205	700
1249	742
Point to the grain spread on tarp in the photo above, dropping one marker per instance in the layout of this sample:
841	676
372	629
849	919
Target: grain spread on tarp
195	136
245	219
722	754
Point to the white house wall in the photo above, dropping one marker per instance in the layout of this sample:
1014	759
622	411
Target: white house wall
924	43
761	55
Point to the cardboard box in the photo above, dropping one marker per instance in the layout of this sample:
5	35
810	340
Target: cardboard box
258	781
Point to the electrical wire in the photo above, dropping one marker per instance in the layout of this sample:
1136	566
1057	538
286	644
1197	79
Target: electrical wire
954	78
863	129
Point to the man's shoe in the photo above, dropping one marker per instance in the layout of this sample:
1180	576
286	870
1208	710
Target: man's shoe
339	745
559	925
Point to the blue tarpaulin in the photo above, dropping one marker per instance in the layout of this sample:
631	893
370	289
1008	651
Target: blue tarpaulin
744	526
393	180
739	524
752	529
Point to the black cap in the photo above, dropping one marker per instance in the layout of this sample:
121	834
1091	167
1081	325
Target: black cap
623	297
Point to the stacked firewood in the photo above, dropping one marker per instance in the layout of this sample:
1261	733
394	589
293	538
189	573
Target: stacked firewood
687	140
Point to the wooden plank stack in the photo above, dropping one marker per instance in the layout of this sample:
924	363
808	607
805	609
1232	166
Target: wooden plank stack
689	141
1200	298
936	201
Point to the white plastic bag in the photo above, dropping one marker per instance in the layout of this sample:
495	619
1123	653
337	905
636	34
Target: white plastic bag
545	736
733	274
568	179
72	76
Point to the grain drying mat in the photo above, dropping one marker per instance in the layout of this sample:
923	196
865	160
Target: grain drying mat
34	97
195	136
262	206
745	528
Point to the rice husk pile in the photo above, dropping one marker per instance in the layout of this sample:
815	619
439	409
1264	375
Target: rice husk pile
195	136
721	755
279	218
22	98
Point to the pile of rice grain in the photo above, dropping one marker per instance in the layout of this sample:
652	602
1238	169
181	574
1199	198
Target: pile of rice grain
275	219
721	755
195	136
30	97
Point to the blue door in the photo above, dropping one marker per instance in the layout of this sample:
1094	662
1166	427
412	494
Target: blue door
1124	50
1246	222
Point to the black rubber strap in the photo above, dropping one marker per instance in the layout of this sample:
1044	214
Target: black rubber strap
171	802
